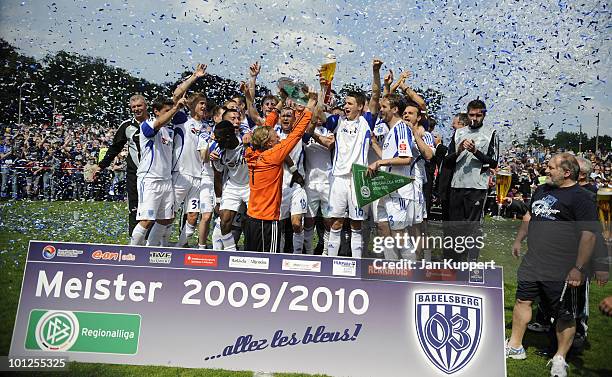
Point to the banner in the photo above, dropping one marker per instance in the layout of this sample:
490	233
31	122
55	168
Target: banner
261	312
368	189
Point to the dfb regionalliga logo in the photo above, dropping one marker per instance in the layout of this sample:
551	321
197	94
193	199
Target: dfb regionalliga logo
57	331
449	328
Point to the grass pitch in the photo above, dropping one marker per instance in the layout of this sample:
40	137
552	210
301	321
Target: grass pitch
104	222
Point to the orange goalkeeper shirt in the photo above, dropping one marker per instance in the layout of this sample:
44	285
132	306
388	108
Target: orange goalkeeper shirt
266	170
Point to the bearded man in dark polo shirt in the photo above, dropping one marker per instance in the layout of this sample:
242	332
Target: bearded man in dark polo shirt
563	221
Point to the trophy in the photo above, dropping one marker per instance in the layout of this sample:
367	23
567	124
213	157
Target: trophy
503	179
604	202
296	91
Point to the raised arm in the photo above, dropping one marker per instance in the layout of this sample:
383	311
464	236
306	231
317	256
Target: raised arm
251	110
166	117
387	83
374	104
409	92
254	70
182	88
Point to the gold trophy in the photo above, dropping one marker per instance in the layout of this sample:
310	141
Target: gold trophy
503	180
604	202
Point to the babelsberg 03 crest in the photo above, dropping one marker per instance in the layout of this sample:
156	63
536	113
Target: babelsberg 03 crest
449	328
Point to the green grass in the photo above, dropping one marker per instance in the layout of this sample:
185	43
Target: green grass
102	222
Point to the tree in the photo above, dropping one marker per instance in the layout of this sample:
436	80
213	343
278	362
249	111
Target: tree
537	138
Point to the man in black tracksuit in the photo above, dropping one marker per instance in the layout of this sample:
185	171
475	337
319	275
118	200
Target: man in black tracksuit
128	132
473	154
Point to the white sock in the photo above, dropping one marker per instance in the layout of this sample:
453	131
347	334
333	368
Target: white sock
356	243
298	242
236	233
156	234
228	242
308	233
138	235
325	241
333	245
165	240
186	233
216	237
201	247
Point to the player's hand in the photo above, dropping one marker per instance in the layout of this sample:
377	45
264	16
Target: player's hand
214	156
246	138
470	146
606	306
182	102
601	277
373	168
405	75
389	78
254	69
376	64
574	278
200	70
216	209
298	179
516	249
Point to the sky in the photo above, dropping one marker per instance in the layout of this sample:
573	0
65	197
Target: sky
537	61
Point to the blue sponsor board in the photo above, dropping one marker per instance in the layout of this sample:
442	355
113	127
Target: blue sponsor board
256	311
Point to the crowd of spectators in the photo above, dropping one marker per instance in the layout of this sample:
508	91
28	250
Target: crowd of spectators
528	168
55	161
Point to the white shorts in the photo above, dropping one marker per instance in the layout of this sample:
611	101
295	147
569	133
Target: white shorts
401	212
342	198
379	213
293	201
233	197
155	199
187	191
317	195
240	215
207	198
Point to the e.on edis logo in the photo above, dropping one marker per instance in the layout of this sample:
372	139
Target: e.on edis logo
113	256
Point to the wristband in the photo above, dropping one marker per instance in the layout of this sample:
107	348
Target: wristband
580	269
217	200
293	169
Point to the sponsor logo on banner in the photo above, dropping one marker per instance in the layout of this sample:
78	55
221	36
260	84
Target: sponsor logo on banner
449	328
201	260
301	265
57	331
160	257
249	262
344	267
48	252
67	331
477	275
441	274
69	253
117	256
